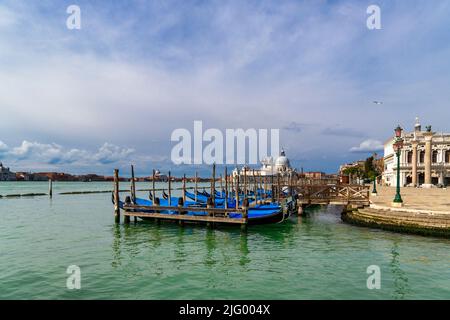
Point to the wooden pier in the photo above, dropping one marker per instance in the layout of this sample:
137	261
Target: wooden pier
209	214
280	188
345	195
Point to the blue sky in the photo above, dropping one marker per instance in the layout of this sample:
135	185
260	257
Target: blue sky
111	93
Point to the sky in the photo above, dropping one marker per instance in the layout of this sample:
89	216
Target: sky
111	93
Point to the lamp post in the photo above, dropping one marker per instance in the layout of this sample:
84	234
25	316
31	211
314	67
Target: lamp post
398	145
374	190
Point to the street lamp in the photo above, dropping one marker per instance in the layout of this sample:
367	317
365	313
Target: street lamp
398	145
374	190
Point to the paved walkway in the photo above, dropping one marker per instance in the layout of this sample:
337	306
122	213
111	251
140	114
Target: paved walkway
433	200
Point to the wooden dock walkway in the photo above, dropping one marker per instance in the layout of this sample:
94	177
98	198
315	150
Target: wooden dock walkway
333	194
217	215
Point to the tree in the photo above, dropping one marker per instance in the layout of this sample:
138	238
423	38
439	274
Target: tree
370	171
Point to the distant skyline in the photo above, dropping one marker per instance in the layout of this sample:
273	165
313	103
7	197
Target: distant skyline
111	93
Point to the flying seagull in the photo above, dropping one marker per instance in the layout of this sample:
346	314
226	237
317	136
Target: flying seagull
378	102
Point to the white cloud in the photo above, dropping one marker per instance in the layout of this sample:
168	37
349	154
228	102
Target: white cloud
3	148
368	145
132	78
43	152
109	153
55	154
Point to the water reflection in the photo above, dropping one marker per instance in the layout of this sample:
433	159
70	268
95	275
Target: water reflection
156	233
116	248
401	287
180	250
210	242
244	258
218	249
132	239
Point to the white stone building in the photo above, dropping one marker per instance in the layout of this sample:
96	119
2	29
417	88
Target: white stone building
424	159
6	174
269	167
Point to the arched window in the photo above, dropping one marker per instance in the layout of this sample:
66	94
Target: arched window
409	157
447	156
422	156
434	157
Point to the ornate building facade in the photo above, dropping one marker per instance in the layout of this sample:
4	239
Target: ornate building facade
424	159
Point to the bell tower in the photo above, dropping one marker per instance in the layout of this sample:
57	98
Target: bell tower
417	126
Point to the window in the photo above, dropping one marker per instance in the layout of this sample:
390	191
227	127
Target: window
409	156
447	156
422	156
434	157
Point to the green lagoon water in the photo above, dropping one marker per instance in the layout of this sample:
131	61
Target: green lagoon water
314	257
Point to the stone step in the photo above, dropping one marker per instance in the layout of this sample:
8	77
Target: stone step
401	220
396	213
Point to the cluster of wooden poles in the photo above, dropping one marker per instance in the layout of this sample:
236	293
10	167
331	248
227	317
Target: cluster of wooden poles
230	187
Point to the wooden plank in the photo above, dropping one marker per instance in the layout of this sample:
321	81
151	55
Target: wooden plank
192	209
186	217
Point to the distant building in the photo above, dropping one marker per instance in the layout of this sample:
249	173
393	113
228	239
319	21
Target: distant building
424	159
357	164
23	176
269	167
55	176
355	178
6	174
314	175
91	177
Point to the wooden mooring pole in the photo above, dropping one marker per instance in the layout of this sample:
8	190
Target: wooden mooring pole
261	190
255	186
50	188
134	190
184	188
272	188
116	196
153	186
170	190
245	205
279	188
226	188
237	191
196	185
265	187
133	186
181	205
156	203
213	189
232	185
210	204
245	182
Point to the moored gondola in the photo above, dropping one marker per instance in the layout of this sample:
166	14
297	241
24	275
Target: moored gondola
260	214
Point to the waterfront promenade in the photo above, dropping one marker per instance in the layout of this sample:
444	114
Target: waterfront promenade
435	200
425	211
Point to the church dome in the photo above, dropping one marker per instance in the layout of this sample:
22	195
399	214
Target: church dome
282	161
